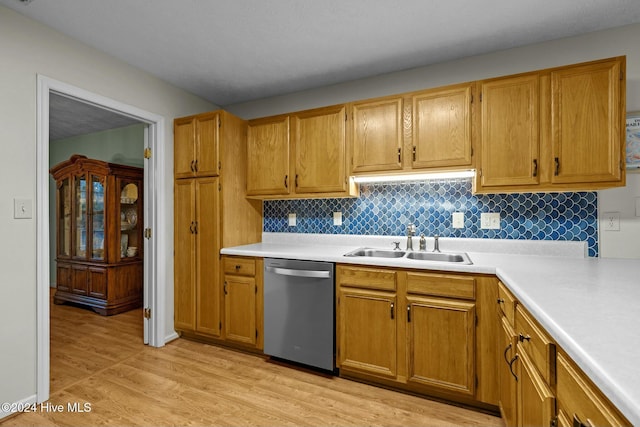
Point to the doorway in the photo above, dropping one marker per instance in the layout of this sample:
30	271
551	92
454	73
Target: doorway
154	216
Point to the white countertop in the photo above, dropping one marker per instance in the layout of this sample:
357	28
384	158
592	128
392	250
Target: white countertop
590	306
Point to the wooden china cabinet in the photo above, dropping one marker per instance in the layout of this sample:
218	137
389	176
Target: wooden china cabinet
99	234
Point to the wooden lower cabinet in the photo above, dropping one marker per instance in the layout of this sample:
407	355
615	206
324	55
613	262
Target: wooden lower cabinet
441	339
580	403
536	402
506	375
417	331
368	332
539	384
242	289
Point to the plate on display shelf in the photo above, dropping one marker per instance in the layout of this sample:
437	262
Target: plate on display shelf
132	217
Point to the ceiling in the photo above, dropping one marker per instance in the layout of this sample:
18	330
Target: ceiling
69	117
232	51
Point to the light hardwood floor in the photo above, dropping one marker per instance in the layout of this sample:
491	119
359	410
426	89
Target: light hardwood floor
101	361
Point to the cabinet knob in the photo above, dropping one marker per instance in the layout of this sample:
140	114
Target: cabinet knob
523	338
500	301
237	267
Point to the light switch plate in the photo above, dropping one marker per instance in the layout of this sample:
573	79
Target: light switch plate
337	218
292	220
22	208
457	219
611	221
490	220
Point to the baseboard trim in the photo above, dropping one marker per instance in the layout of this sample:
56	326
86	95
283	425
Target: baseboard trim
172	336
15	408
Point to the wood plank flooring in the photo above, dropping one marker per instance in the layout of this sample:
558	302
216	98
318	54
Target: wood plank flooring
101	361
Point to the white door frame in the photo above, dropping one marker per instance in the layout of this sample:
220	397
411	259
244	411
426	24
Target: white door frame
154	217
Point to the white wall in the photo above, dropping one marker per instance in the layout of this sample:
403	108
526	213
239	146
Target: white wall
28	48
603	44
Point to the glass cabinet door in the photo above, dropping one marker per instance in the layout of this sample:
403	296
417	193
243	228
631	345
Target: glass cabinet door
98	217
80	216
64	218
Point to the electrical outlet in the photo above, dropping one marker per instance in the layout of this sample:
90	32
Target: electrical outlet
457	219
22	208
292	220
490	220
611	221
337	218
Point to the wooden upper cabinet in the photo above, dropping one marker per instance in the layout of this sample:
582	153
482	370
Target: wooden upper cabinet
268	157
442	126
196	144
376	135
303	154
510	131
319	141
587	118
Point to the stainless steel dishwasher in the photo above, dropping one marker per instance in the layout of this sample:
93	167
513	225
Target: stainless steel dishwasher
299	311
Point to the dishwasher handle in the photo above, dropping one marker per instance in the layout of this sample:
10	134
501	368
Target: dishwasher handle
299	273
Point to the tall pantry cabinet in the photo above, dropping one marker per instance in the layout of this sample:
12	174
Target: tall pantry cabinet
211	212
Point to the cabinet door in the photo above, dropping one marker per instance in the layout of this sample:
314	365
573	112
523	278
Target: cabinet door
587	122
79	280
319	142
63	277
367	337
184	255
207	144
442	127
240	309
268	157
442	343
510	131
536	404
377	132
98	283
184	147
207	231
506	377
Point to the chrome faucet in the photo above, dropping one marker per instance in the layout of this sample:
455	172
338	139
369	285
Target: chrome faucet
411	231
423	242
436	245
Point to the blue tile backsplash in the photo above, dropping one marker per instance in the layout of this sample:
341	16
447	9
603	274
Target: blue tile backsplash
386	209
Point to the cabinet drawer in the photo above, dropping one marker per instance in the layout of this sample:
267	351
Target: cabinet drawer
507	303
370	278
442	285
239	266
539	347
582	402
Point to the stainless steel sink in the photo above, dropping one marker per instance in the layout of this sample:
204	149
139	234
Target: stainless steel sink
378	253
459	258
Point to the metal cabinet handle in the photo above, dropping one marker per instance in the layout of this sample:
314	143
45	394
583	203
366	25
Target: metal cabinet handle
286	181
409	313
191	228
511	366
195	228
505	353
414	153
296	183
399	155
523	338
392	315
237	267
225	288
500	301
192	166
196	166
556	172
535	167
